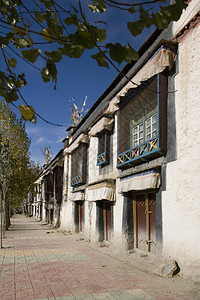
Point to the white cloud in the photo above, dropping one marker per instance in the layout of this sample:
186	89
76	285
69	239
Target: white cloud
32	130
40	140
42	136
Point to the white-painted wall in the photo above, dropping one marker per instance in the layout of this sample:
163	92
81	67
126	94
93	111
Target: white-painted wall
66	216
180	201
180	197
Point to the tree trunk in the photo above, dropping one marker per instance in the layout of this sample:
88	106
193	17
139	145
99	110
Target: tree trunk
6	208
7	214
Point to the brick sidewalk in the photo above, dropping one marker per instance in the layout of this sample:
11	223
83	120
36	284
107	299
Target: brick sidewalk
38	262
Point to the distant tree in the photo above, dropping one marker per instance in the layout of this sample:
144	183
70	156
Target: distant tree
52	29
17	172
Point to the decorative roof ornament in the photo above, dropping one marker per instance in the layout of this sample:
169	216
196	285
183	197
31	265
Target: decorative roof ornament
77	111
47	154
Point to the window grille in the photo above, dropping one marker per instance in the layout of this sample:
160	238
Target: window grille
79	165
142	122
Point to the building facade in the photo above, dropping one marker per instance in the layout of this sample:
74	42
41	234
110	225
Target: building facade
131	167
49	186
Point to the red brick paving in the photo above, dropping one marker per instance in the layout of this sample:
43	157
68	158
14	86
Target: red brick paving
37	265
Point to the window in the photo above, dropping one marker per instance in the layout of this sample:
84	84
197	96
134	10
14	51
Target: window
78	165
151	126
145	129
49	186
58	177
138	134
142	122
103	148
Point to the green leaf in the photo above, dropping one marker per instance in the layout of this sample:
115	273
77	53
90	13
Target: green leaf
144	16
46	34
10	36
34	119
11	96
39	17
97	33
55	56
101	59
160	20
132	9
31	55
116	52
174	11
45	75
20	83
3	42
20	43
27	112
135	27
99	6
55	29
52	69
30	41
82	38
93	8
120	53
71	20
72	51
19	31
77	51
48	4
12	62
130	54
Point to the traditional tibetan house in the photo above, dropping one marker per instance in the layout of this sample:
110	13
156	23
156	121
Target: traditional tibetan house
131	166
50	187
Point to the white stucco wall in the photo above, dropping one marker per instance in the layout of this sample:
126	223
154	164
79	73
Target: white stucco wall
180	196
66	220
180	201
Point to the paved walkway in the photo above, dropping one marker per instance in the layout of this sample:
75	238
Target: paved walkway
38	262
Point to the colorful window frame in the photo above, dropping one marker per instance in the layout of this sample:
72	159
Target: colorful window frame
148	136
145	129
79	165
103	156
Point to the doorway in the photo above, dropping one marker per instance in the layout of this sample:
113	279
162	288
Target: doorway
104	220
78	215
144	210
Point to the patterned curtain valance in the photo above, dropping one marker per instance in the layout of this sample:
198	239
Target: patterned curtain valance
77	196
138	182
101	191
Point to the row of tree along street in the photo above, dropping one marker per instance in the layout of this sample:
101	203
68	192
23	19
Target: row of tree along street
17	171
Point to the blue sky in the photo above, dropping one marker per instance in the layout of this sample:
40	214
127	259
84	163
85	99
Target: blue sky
76	79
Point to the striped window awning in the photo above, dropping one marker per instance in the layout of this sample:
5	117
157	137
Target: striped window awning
103	123
162	59
101	191
138	182
77	196
82	138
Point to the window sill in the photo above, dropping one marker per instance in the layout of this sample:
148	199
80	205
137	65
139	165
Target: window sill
141	153
78	180
101	160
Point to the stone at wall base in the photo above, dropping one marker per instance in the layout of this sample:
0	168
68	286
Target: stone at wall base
167	269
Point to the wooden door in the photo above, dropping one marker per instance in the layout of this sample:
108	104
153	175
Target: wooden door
107	220
80	208
145	221
141	226
152	222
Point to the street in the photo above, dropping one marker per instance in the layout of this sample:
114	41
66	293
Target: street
39	262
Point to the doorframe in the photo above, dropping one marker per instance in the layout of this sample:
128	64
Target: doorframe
135	227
